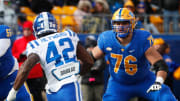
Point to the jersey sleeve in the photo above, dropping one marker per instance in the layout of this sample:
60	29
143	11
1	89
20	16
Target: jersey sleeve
4	46
5	39
5	32
148	41
73	35
100	42
31	48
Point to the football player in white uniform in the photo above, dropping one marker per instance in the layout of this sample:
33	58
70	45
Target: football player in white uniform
58	53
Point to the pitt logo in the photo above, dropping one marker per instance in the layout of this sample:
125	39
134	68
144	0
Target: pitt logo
108	48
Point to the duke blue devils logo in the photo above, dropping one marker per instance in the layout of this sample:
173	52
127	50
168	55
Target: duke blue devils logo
131	14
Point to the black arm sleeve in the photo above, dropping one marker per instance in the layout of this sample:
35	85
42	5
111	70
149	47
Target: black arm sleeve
161	65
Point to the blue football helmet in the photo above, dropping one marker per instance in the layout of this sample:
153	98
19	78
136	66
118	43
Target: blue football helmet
123	15
44	23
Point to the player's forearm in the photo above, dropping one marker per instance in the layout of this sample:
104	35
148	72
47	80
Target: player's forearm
97	53
21	78
86	60
24	70
86	65
85	68
161	74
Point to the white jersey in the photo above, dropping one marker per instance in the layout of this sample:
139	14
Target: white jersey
57	54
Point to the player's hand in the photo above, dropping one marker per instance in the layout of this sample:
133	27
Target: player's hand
23	55
155	87
12	95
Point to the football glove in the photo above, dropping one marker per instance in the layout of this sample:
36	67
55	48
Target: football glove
155	87
12	95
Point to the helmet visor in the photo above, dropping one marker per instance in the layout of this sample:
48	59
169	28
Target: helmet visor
121	27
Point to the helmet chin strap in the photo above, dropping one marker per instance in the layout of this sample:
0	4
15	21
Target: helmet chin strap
123	35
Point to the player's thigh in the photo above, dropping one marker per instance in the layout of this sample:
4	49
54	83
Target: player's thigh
24	94
110	97
117	92
68	92
6	85
164	94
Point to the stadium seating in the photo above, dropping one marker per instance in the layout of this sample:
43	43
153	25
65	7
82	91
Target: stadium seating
69	10
68	21
157	21
26	10
64	16
30	15
68	18
57	12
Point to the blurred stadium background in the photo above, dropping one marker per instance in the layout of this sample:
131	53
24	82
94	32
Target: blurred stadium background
95	21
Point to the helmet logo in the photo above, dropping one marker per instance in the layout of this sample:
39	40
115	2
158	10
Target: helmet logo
130	13
119	19
44	23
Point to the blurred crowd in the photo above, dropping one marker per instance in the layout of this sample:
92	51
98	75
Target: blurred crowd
90	17
94	16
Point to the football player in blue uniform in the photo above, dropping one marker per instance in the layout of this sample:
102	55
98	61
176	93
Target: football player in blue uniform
9	67
59	55
130	53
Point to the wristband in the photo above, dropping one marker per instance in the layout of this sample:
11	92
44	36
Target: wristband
159	79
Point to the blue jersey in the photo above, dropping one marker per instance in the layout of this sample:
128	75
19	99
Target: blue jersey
129	68
6	59
128	64
171	64
9	67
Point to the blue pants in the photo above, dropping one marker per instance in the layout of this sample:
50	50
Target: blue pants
123	92
68	92
6	85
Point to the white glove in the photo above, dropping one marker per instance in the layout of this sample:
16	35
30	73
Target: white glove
12	95
155	87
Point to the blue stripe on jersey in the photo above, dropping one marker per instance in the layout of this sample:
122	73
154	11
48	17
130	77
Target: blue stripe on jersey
78	91
74	34
69	32
31	45
28	92
36	42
